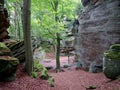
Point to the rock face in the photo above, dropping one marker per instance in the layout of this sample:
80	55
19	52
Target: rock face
99	27
8	64
4	23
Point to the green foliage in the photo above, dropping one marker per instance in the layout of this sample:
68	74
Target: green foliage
44	74
15	16
34	74
43	23
51	81
37	66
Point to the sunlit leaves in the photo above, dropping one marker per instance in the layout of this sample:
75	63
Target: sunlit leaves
43	13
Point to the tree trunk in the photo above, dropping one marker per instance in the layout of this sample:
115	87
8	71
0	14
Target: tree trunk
58	53
15	21
27	36
55	7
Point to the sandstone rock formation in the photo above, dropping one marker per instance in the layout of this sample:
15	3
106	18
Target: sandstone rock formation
99	27
8	64
4	23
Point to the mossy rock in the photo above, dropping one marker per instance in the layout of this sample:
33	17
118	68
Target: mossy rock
112	54
111	68
8	67
111	62
3	47
115	47
4	50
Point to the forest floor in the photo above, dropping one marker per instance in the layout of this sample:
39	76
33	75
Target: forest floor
69	79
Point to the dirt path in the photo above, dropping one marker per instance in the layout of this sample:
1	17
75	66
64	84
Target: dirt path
79	80
73	79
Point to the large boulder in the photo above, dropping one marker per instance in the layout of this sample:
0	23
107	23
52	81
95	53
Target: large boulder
111	62
8	67
8	64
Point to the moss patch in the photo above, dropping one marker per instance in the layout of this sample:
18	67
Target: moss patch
112	54
3	47
115	47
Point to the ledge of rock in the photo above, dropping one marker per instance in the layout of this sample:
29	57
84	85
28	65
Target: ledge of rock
4	50
8	64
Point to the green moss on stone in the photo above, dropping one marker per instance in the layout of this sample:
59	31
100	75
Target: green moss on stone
112	54
111	62
3	47
115	47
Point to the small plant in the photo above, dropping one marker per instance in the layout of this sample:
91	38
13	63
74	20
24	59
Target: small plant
44	74
51	81
37	65
34	74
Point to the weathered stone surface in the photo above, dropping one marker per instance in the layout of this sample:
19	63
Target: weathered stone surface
99	27
8	64
8	67
18	49
111	68
4	23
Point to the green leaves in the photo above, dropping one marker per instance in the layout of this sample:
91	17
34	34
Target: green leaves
43	16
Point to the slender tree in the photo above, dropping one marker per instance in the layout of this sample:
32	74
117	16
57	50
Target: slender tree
55	8
27	35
